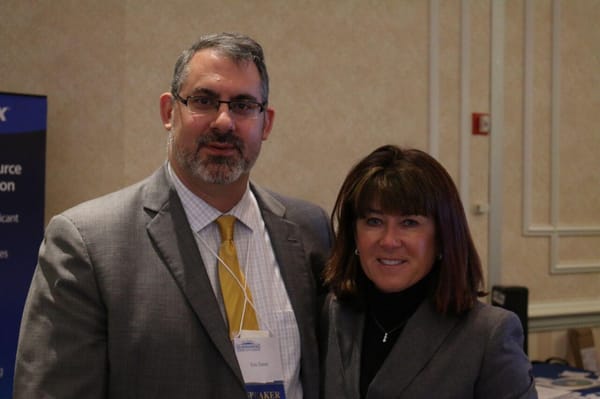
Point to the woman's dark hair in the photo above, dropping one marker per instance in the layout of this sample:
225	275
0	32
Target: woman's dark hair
407	182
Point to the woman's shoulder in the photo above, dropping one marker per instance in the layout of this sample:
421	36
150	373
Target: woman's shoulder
487	316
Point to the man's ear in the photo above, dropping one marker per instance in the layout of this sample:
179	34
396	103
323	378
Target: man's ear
268	122
166	110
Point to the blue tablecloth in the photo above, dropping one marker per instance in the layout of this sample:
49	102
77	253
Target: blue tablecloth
554	371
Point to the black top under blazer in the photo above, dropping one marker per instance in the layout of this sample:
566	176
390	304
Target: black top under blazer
478	355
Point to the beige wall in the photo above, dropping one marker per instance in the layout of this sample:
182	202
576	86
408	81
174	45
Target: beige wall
546	344
348	76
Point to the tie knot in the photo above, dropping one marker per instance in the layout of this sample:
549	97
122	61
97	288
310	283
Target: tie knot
225	223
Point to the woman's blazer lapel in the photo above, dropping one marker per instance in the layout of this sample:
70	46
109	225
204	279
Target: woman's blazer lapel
343	330
422	337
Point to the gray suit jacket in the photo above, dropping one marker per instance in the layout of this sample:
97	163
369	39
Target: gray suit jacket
120	305
478	355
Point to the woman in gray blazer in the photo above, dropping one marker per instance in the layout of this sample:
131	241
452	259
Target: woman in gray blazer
404	319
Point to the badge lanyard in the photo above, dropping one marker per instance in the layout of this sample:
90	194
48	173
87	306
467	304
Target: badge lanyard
257	352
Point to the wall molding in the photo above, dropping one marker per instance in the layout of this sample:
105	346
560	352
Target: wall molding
434	80
497	98
563	315
555	230
465	103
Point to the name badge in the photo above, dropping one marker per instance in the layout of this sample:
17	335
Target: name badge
260	361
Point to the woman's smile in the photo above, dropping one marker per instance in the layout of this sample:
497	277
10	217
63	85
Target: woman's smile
381	237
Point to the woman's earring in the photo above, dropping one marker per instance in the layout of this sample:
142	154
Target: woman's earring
440	256
356	252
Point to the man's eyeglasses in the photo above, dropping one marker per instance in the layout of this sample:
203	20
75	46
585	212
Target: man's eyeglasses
207	105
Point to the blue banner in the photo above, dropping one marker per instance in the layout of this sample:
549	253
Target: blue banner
22	176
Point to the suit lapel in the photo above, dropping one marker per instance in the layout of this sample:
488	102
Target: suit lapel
174	240
288	246
286	239
424	333
349	334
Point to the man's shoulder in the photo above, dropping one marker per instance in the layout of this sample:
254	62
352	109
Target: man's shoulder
119	200
285	203
310	217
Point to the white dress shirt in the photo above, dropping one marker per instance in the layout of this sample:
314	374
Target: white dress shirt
258	263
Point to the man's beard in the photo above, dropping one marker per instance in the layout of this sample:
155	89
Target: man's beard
213	169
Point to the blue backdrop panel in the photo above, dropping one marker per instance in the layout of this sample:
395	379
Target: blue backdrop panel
22	175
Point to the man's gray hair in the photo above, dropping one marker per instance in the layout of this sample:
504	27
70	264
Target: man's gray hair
239	48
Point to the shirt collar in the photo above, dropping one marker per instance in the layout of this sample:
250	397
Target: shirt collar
200	214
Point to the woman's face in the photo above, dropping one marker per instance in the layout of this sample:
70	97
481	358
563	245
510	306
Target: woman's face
396	251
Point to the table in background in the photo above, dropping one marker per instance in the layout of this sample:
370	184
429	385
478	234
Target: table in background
554	371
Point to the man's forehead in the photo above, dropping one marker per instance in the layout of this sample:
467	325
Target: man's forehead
214	58
209	70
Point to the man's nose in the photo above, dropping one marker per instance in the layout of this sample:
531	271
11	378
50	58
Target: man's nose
223	121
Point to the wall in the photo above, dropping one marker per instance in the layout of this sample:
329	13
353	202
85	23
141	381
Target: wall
551	230
348	76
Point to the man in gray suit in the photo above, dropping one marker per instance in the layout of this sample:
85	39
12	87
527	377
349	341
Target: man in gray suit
125	301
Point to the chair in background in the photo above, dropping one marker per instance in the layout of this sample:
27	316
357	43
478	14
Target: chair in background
515	299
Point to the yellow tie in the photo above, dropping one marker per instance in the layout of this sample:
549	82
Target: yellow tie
232	289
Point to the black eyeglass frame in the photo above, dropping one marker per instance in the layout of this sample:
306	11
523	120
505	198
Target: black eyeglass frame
185	101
